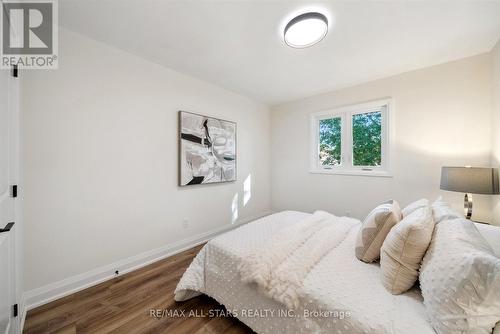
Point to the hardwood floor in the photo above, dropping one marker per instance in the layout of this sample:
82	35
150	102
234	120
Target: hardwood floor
123	304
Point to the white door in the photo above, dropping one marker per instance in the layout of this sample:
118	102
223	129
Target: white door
8	147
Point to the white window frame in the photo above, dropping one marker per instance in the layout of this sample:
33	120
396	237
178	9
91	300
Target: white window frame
346	113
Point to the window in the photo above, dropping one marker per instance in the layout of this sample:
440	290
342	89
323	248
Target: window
352	140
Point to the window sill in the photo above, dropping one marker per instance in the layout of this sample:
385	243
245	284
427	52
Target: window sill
376	173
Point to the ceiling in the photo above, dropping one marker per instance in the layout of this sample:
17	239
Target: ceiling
237	44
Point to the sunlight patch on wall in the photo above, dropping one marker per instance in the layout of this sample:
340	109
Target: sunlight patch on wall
247	189
234	208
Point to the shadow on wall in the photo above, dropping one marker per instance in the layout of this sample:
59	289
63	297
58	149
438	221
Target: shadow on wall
495	200
495	204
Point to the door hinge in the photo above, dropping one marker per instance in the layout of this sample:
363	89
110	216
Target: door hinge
15	71
14	190
15	310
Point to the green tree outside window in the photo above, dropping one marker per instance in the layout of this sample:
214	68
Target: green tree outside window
330	141
367	139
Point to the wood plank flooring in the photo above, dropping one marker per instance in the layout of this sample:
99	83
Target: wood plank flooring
123	304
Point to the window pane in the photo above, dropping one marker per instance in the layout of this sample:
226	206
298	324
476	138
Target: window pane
367	139
330	141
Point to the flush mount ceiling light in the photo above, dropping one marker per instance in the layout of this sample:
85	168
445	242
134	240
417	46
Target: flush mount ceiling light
306	30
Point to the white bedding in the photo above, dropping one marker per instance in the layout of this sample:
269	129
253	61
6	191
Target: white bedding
281	266
348	292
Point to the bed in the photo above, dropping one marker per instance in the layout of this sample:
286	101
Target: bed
340	294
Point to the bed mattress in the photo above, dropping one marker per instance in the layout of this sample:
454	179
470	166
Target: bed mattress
341	293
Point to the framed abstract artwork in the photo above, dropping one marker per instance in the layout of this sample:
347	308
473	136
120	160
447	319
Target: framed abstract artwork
207	149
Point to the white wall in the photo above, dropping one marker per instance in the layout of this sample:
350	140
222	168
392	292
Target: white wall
442	117
100	160
495	157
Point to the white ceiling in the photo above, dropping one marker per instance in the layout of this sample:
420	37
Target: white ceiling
237	44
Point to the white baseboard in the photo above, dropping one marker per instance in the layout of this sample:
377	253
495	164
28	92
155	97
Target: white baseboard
53	291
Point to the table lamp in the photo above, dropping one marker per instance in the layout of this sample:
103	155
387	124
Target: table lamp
470	180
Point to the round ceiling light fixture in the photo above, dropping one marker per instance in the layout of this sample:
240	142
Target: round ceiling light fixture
306	30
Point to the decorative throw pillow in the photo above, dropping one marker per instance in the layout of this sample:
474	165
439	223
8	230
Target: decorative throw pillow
442	211
421	203
375	228
403	250
460	280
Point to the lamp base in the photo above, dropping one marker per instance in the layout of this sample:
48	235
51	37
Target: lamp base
468	206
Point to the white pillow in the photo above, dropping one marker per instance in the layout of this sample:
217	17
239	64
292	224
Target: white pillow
491	234
421	203
460	280
403	250
442	211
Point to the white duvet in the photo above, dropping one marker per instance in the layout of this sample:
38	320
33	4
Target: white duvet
280	267
337	294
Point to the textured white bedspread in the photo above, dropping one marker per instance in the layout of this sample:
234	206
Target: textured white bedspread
280	267
341	293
